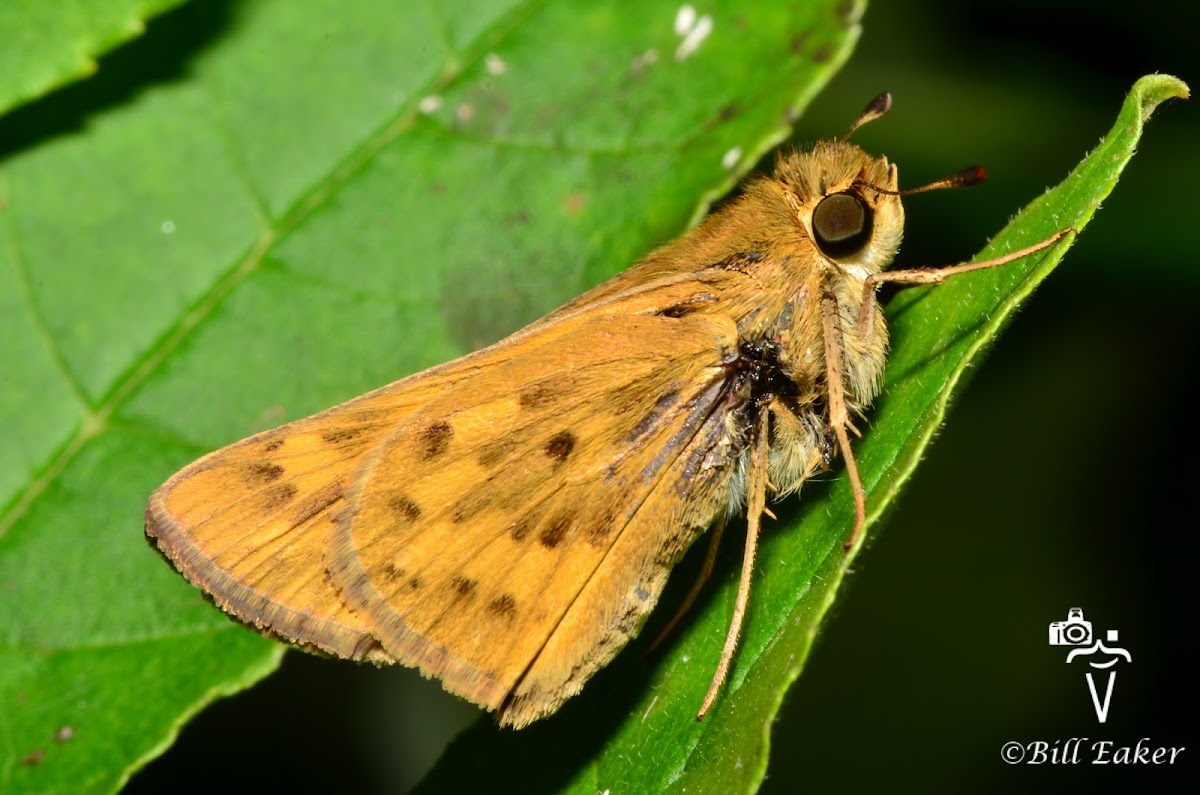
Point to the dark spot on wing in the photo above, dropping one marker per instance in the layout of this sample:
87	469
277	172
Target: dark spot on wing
340	435
273	445
280	495
393	572
522	528
823	54
463	586
560	446
414	583
529	521
404	507
437	439
504	606
555	531
265	471
542	393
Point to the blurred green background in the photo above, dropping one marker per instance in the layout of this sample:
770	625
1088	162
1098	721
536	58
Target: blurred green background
1059	480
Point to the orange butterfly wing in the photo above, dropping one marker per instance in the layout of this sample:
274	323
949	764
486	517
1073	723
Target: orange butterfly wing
504	522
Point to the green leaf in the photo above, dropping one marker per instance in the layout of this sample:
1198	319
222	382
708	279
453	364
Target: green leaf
44	45
633	729
263	209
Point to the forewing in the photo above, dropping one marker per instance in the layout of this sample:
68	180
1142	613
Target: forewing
504	521
512	534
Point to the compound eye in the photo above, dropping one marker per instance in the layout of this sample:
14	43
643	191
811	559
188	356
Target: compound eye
841	224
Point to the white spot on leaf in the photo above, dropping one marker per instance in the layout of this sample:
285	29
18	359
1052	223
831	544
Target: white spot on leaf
494	64
694	37
685	18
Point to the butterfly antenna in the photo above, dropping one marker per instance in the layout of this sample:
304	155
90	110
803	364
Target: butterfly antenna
972	175
875	109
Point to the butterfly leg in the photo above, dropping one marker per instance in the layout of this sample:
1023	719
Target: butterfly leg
710	560
756	505
937	276
839	416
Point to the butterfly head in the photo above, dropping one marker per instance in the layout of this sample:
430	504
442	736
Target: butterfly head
848	202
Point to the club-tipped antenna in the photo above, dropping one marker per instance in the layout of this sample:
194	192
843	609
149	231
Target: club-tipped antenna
875	108
972	175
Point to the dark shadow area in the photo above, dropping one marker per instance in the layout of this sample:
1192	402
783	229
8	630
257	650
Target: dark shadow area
159	56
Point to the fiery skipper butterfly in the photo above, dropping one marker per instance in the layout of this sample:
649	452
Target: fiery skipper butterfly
506	521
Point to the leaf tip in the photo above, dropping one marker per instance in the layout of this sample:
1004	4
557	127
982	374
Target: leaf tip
1152	90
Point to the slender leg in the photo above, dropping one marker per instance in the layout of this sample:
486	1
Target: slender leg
937	276
839	418
756	504
710	560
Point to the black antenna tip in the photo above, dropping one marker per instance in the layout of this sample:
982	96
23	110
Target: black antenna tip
874	109
969	176
878	106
